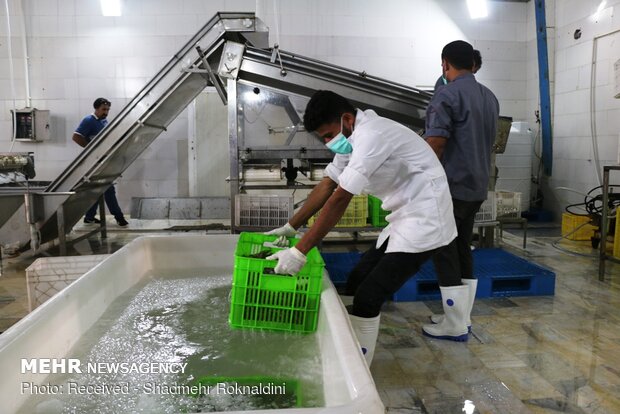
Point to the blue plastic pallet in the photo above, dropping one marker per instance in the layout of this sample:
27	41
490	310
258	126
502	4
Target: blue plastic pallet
499	274
538	215
423	286
339	265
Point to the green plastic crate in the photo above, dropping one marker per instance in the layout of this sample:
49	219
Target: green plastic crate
375	213
287	395
271	301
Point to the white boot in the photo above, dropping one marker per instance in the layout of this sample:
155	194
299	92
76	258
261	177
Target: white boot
473	285
366	330
455	300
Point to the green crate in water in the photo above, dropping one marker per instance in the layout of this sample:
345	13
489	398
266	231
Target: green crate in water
375	213
271	393
262	299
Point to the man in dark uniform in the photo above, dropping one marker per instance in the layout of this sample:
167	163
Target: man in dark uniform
441	81
90	126
461	121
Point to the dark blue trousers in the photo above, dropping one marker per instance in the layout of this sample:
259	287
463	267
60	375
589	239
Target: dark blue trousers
111	202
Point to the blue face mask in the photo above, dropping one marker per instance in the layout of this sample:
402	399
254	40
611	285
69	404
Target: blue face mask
340	144
445	81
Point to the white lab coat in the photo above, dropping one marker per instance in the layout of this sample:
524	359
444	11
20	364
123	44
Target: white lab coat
397	166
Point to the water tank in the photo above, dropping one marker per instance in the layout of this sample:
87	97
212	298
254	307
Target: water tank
515	164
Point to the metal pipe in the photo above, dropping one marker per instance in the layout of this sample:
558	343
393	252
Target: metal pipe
543	80
26	57
11	73
597	160
604	224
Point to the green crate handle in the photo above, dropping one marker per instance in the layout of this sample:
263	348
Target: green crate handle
274	271
292	241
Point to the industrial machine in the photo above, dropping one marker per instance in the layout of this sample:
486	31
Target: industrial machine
230	53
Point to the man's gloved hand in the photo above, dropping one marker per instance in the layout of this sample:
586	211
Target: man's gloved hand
283	232
290	261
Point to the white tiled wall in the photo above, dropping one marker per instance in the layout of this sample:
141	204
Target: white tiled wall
574	165
77	55
401	40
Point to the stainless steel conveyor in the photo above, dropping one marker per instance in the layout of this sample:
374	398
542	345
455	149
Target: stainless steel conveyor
230	53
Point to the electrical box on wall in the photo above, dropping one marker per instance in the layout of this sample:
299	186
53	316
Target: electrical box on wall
617	72
31	124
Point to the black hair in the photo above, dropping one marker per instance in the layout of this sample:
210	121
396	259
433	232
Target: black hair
101	101
325	107
459	54
477	59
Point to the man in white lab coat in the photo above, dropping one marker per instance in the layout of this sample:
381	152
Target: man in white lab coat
374	155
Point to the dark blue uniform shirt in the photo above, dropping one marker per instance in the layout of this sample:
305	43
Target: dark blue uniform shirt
466	113
90	126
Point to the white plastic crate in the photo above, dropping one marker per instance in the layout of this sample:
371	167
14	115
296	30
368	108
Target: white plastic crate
263	210
508	204
317	173
47	276
487	210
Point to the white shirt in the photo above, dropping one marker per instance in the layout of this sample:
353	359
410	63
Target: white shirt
396	165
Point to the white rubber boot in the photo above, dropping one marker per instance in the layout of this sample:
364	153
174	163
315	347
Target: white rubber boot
455	300
473	285
366	330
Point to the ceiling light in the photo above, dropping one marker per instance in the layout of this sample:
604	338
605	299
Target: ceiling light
477	8
111	7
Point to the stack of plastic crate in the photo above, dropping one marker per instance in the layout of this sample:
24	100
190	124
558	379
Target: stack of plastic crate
355	215
263	210
262	299
376	214
488	211
508	204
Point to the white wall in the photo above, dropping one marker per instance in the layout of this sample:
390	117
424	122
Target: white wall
401	40
77	55
574	163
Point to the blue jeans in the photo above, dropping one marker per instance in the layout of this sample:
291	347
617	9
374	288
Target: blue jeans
111	202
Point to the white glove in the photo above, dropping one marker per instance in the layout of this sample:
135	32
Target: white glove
283	232
290	261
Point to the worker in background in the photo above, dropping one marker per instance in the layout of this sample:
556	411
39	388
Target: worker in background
90	126
461	122
374	155
474	69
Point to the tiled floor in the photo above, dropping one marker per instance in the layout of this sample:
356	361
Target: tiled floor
525	354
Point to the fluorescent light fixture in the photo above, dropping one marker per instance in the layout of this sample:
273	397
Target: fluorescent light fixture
599	10
477	8
111	7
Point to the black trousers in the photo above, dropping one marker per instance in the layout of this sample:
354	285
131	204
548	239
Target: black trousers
454	261
379	275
